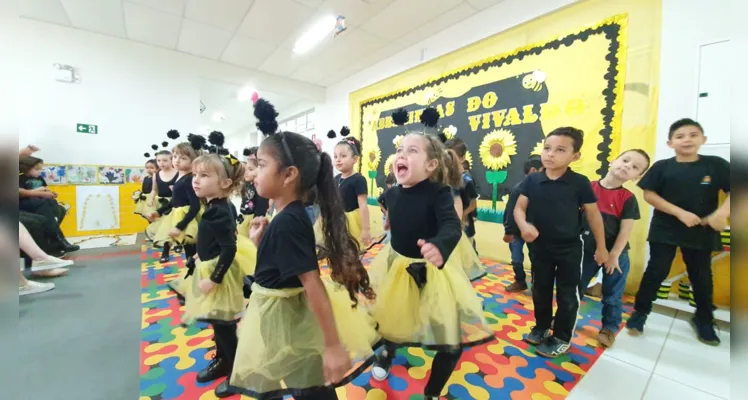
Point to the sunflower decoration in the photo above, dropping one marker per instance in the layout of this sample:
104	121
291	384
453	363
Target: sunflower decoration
397	140
388	164
537	150
469	159
373	156
496	149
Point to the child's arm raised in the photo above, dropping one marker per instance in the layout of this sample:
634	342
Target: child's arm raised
336	361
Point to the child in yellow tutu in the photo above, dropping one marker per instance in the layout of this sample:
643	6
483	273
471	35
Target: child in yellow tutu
160	196
141	203
298	334
252	205
352	188
179	226
424	297
214	294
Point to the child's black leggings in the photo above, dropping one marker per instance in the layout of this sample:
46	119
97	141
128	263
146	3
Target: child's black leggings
189	253
225	337
441	369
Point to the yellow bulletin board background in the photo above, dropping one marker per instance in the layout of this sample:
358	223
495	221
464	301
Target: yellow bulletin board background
634	122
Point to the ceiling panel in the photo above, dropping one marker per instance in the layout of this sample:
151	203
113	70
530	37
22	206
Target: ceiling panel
282	61
483	4
356	12
437	25
44	10
103	16
175	7
224	14
311	3
247	52
202	40
152	26
351	46
402	16
361	64
274	21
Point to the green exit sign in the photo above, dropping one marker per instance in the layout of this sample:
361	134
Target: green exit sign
86	128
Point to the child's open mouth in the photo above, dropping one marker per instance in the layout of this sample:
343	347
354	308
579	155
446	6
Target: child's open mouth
401	168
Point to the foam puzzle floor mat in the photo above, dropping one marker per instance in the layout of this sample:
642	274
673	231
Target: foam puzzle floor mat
172	355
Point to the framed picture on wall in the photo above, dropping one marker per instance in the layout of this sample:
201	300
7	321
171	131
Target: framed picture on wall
135	175
54	174
111	175
81	174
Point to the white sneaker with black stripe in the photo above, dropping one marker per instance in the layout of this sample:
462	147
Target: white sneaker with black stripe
553	347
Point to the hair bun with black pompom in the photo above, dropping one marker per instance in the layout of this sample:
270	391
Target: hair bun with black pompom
173	134
216	138
246	152
147	155
400	117
164	143
266	117
331	134
344	131
196	141
430	117
154	147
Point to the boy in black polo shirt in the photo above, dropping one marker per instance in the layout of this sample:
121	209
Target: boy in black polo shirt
548	213
684	191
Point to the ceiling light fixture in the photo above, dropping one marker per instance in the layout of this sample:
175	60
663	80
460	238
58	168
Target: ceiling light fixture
246	93
315	34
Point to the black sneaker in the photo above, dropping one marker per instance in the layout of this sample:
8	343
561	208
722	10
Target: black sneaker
705	332
553	347
635	324
537	336
381	368
217	368
223	390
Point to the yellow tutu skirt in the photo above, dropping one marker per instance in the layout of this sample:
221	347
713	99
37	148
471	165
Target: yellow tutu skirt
224	303
319	236
243	228
444	314
180	285
355	226
469	260
171	220
246	255
143	209
281	346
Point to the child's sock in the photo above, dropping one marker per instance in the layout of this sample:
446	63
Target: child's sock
165	252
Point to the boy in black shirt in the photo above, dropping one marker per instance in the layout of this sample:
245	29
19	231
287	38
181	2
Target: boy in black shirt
548	214
684	191
512	234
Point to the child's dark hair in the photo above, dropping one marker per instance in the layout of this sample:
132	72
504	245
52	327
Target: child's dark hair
680	124
458	145
226	166
163	153
573	133
353	143
390	179
316	171
152	161
533	162
251	151
26	164
465	165
640	151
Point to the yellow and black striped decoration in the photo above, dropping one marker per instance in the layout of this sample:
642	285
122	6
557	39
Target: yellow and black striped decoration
684	290
664	291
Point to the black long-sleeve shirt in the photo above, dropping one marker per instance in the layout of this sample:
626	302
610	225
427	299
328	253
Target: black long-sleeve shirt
183	195
424	211
216	236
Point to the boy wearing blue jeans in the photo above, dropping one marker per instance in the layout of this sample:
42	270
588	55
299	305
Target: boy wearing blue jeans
512	234
619	209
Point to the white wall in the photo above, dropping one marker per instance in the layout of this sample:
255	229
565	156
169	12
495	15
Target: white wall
679	59
506	14
132	91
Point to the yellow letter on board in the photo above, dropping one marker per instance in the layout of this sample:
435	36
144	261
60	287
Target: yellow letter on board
450	108
512	117
474	121
529	115
473	104
489	100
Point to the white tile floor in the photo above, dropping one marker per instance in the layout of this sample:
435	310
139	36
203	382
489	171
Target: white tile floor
666	362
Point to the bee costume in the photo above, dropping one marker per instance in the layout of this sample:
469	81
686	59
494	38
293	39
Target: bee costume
253	205
141	198
162	199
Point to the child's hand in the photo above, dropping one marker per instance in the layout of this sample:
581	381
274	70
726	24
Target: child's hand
602	256
174	233
431	253
153	216
612	265
716	221
530	234
366	238
196	257
508	238
689	219
206	285
336	364
257	229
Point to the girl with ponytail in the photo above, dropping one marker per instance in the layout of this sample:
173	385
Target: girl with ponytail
299	334
424	297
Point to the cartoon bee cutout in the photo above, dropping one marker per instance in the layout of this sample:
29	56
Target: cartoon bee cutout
534	81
